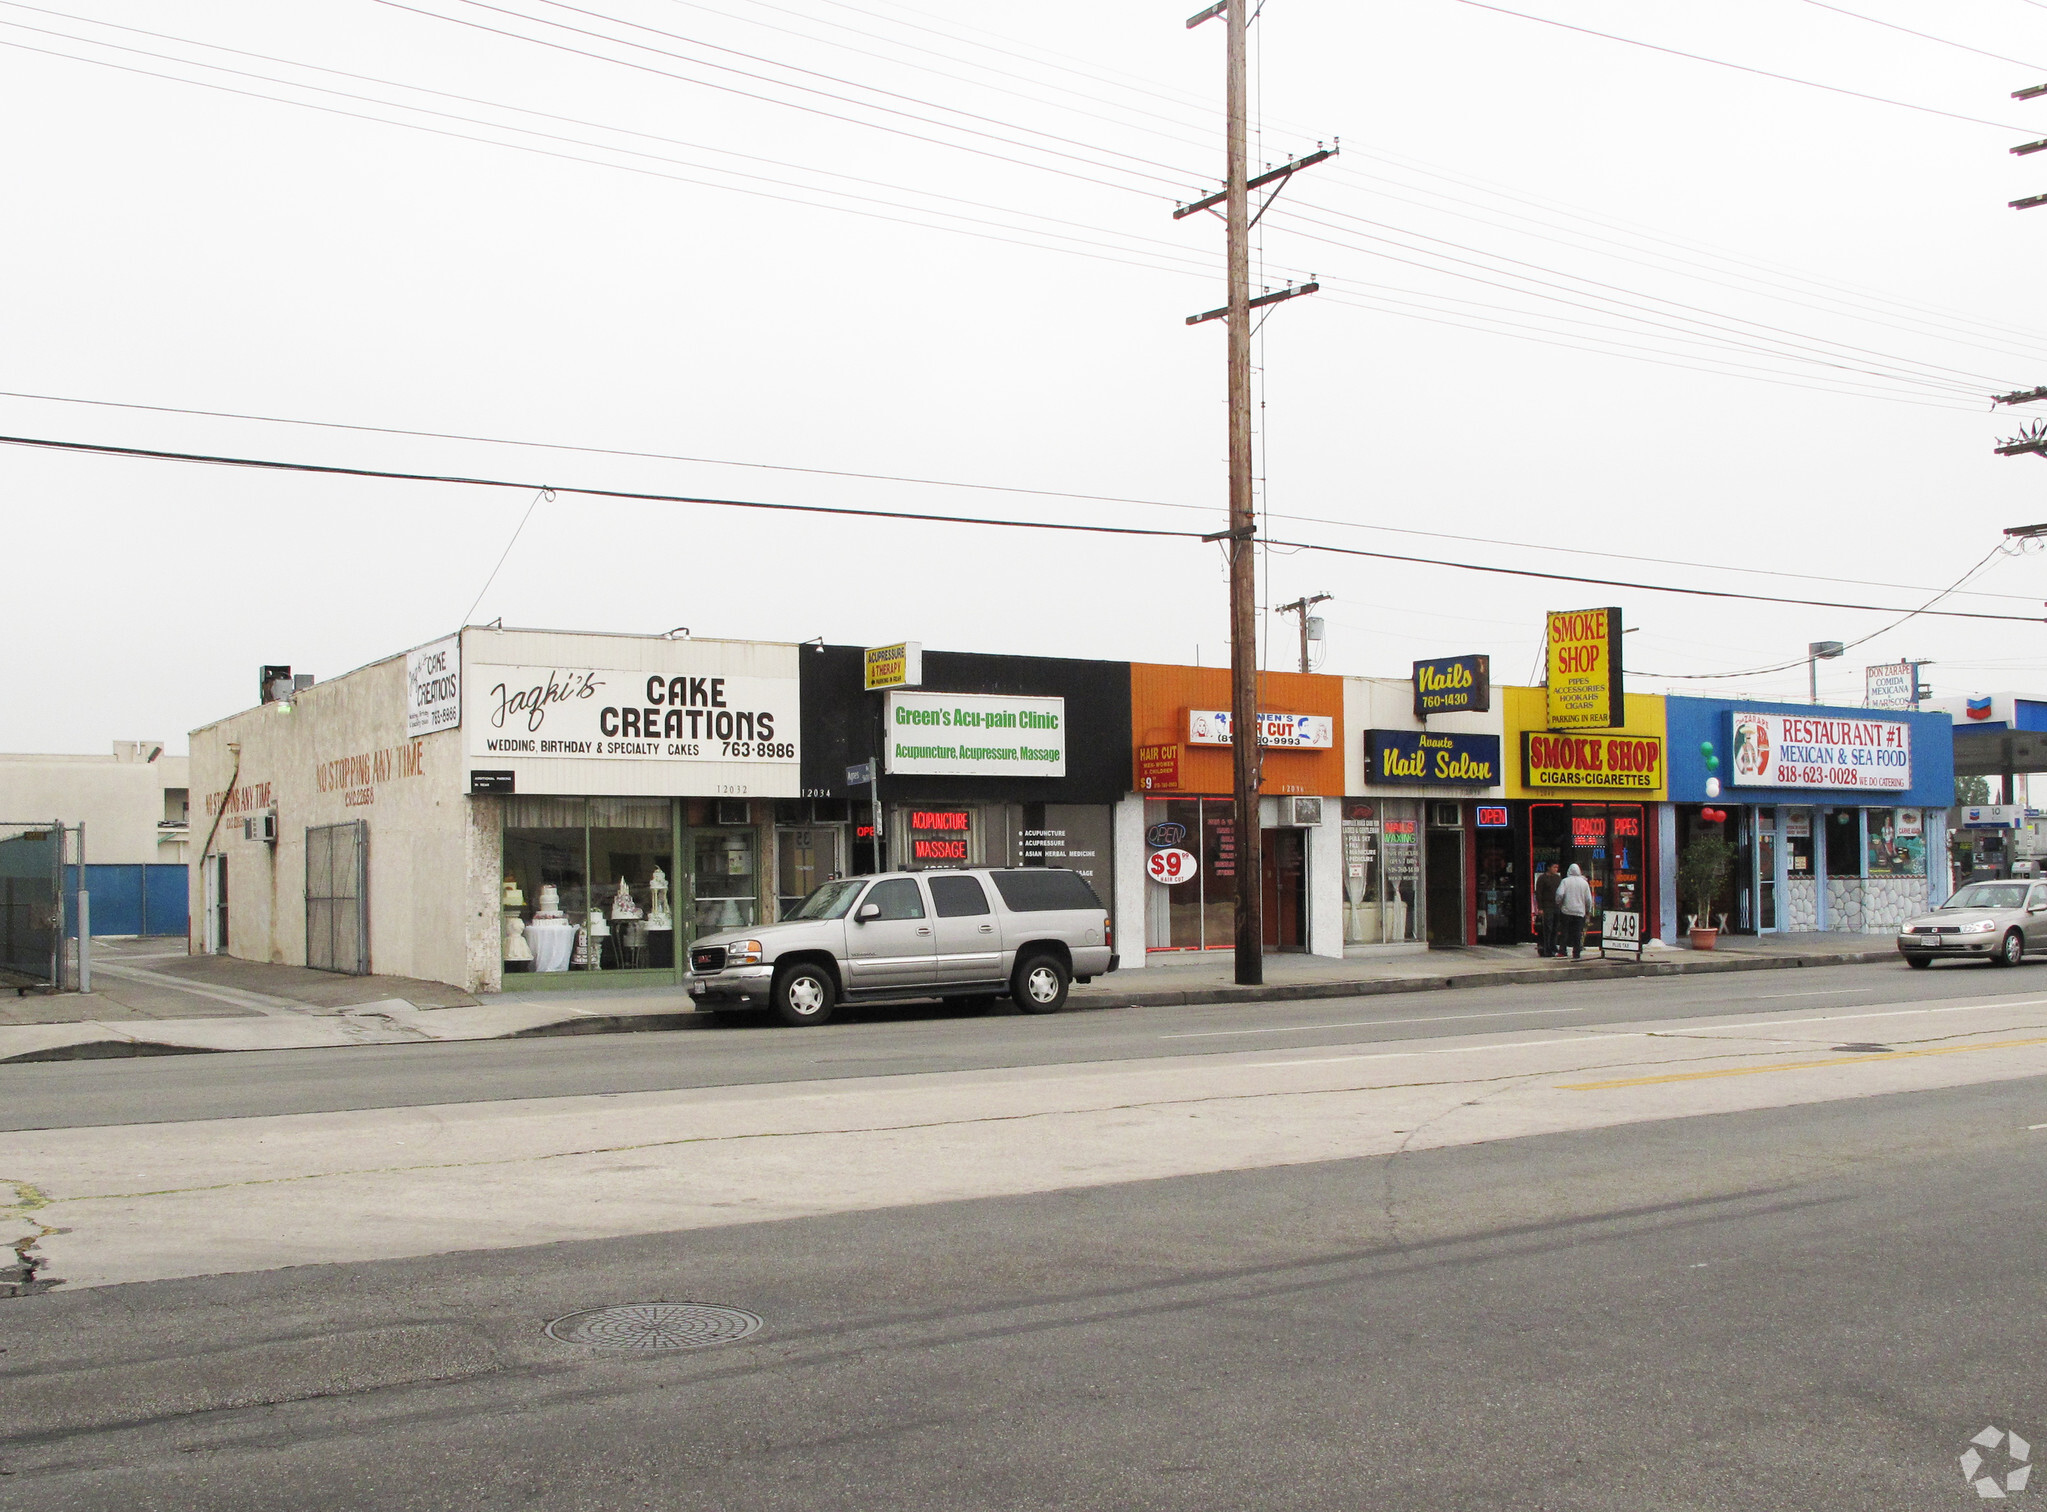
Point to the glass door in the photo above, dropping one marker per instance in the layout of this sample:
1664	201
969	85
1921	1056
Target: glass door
805	859
1766	870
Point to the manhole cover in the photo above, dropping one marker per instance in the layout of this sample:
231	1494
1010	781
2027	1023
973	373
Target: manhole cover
654	1325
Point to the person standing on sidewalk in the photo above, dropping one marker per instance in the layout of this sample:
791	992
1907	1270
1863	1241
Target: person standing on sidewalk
1546	911
1574	903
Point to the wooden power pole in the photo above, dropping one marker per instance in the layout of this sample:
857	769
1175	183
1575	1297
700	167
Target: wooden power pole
1243	529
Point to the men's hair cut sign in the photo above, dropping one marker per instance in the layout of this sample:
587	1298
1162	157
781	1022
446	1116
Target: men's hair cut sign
1584	670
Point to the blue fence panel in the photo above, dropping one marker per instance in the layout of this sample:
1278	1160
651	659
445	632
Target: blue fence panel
167	900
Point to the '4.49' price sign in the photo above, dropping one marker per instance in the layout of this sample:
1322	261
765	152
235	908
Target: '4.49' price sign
1170	866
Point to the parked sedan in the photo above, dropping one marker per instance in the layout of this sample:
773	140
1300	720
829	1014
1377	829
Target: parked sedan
1996	922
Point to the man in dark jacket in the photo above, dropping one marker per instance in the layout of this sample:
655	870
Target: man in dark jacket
1546	911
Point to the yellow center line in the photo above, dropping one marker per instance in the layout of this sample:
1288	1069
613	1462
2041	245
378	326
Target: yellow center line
1838	1060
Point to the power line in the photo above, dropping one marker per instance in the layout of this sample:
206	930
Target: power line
1923	36
1739	67
139	453
1009	488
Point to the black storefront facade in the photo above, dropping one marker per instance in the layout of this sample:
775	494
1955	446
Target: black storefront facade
986	761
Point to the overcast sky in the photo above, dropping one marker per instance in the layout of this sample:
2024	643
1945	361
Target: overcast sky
1577	296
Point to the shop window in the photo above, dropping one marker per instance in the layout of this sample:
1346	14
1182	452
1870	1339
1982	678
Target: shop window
569	859
1605	841
1382	870
1798	850
1078	836
723	878
1844	843
1897	843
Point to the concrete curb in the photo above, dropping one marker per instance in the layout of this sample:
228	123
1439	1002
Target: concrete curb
1590	971
585	1022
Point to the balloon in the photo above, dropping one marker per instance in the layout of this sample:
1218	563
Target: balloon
1712	787
1712	763
1705	748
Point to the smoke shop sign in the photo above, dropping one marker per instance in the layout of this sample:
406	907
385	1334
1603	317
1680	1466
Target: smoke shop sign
1792	750
1583	679
1417	758
976	735
1621	763
608	713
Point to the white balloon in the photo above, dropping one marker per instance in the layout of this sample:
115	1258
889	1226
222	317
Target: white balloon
1712	787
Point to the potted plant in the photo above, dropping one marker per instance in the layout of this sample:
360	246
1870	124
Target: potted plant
1701	873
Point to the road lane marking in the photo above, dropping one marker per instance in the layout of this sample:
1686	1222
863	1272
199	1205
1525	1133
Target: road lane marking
1838	1060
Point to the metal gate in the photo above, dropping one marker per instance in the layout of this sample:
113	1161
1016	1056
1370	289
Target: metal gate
337	898
31	900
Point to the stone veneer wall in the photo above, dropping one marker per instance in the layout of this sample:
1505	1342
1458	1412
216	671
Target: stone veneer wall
1798	904
1873	905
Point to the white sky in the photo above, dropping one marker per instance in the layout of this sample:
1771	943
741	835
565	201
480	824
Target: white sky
182	246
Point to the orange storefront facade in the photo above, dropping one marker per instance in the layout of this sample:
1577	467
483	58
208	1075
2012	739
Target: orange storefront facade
1181	765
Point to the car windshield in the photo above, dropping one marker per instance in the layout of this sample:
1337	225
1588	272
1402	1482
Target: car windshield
1990	895
830	901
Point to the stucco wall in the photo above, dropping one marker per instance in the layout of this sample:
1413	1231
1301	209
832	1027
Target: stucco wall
341	754
120	802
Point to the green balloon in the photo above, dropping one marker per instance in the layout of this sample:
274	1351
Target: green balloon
1712	763
1705	748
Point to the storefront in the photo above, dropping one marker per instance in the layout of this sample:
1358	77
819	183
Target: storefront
505	808
1423	780
1181	772
982	761
1585	798
1838	816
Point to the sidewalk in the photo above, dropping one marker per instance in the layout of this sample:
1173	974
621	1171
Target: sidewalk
150	998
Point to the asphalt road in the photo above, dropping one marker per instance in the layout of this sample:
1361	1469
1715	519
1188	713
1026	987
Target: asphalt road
1813	1306
906	1040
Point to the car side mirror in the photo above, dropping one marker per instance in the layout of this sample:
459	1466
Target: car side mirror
867	911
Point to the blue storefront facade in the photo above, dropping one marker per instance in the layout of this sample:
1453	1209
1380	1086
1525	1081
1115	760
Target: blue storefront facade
1838	815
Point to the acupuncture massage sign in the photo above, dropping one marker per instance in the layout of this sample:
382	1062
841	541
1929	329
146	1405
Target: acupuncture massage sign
1797	750
976	734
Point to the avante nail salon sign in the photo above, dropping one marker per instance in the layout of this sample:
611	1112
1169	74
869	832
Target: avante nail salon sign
1795	750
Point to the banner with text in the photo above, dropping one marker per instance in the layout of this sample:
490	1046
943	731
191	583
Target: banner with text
1417	758
976	735
433	687
1611	763
1795	750
1453	685
1211	727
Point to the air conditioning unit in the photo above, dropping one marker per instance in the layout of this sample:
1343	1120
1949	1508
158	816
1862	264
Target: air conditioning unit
1446	816
261	827
734	811
1306	812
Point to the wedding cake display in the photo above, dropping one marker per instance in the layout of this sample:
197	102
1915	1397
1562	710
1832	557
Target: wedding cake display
657	902
550	936
513	897
622	904
516	948
550	905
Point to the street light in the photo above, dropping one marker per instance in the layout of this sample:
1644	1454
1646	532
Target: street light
1815	653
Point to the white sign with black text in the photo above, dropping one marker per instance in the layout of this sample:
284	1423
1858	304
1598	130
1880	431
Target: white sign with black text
611	714
976	734
433	687
1315	732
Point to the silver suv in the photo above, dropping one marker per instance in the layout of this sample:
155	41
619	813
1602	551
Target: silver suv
968	936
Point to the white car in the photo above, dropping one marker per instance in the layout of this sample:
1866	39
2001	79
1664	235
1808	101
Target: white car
1996	922
967	935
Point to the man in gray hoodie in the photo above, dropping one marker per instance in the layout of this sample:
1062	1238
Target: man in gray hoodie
1574	905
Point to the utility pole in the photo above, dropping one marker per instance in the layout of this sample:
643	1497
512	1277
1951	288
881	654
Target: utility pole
1243	527
1301	606
2031	201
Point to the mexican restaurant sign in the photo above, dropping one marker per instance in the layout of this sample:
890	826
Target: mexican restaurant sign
1584	670
1619	763
1794	750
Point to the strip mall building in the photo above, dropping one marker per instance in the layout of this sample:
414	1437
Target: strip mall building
523	809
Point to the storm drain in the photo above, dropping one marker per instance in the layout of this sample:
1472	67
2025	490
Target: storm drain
651	1326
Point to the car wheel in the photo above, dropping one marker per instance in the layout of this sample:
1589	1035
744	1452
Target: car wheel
1918	963
802	996
2010	950
1039	985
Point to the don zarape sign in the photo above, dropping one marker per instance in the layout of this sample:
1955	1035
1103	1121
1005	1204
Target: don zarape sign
1453	685
1417	758
1796	750
976	734
1621	763
583	713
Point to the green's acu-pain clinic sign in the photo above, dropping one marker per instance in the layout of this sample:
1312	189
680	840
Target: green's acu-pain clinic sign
1417	758
976	735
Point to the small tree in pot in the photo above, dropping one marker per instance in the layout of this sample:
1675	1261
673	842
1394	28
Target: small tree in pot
1701	873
